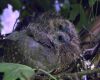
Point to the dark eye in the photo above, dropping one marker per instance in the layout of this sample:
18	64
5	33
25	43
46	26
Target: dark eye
63	39
60	38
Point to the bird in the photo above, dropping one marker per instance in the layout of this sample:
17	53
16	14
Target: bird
60	34
50	41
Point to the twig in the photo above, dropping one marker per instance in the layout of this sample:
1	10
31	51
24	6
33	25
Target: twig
47	73
83	72
91	51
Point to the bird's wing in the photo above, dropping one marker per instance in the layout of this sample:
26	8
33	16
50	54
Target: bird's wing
41	37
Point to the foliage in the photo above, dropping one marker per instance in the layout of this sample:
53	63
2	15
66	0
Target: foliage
81	12
15	3
77	9
92	2
15	71
19	72
72	12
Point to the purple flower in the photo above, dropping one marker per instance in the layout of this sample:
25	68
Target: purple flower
8	19
57	6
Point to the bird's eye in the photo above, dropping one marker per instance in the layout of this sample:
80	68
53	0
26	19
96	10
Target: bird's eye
63	39
60	38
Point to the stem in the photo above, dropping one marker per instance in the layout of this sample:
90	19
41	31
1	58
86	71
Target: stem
83	72
47	74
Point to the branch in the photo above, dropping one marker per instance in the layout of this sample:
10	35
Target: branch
83	72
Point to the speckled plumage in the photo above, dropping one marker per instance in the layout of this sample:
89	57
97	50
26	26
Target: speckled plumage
49	42
59	34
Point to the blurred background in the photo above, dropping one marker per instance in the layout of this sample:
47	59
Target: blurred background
81	12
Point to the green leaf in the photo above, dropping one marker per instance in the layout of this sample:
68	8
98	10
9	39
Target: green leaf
4	4
74	12
16	4
65	10
83	19
92	2
14	71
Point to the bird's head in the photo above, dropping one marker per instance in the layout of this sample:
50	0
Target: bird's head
62	31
